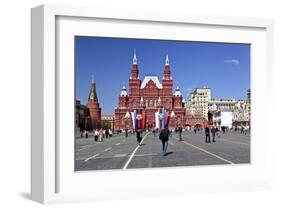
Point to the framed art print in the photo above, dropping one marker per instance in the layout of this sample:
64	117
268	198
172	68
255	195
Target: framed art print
123	101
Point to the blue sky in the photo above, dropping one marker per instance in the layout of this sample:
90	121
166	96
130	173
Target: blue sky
223	67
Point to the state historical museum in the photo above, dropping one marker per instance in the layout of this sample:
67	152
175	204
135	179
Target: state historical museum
149	103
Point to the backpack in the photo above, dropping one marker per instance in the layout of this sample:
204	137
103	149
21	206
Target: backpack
161	135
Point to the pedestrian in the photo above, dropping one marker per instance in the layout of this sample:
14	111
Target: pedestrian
180	132
207	134
96	134
213	131
110	133
101	135
223	129
217	132
164	137
106	133
246	129
154	132
86	134
126	132
242	129
138	135
195	130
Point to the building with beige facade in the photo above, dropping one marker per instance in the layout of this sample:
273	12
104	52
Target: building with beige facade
200	101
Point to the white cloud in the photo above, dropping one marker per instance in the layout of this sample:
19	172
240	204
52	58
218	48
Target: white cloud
232	61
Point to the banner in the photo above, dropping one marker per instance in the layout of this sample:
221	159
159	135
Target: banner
157	125
164	119
133	119
143	120
167	119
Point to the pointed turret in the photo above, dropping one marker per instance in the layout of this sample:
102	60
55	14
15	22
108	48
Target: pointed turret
167	71
135	70
177	92
167	62
135	61
93	94
123	91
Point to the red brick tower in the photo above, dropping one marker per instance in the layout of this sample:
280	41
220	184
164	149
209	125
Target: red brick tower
94	121
167	87
134	83
122	114
179	108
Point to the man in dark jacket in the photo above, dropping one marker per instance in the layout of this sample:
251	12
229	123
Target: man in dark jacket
164	137
207	134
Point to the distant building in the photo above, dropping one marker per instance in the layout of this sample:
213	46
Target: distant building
107	122
149	102
223	118
199	101
81	116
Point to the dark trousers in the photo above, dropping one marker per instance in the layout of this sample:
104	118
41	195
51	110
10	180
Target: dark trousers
208	139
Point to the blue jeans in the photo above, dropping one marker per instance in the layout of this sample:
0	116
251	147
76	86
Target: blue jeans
214	137
164	147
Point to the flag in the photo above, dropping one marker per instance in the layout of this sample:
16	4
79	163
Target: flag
157	125
164	119
135	119
167	119
143	119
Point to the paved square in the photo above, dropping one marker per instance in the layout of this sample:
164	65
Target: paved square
120	152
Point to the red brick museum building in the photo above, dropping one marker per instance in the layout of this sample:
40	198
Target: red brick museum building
149	102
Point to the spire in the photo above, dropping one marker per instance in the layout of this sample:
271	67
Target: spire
123	91
135	57
93	93
177	92
167	62
167	71
135	70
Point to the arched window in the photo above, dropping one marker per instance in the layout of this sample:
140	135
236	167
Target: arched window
151	103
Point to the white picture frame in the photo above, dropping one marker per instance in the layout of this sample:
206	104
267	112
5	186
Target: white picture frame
53	181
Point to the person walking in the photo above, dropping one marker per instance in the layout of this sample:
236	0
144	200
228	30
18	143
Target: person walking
207	134
126	132
180	132
96	134
154	132
110	133
242	130
213	131
100	135
217	132
138	135
164	137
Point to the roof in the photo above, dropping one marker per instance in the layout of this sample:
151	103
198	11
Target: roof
154	79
